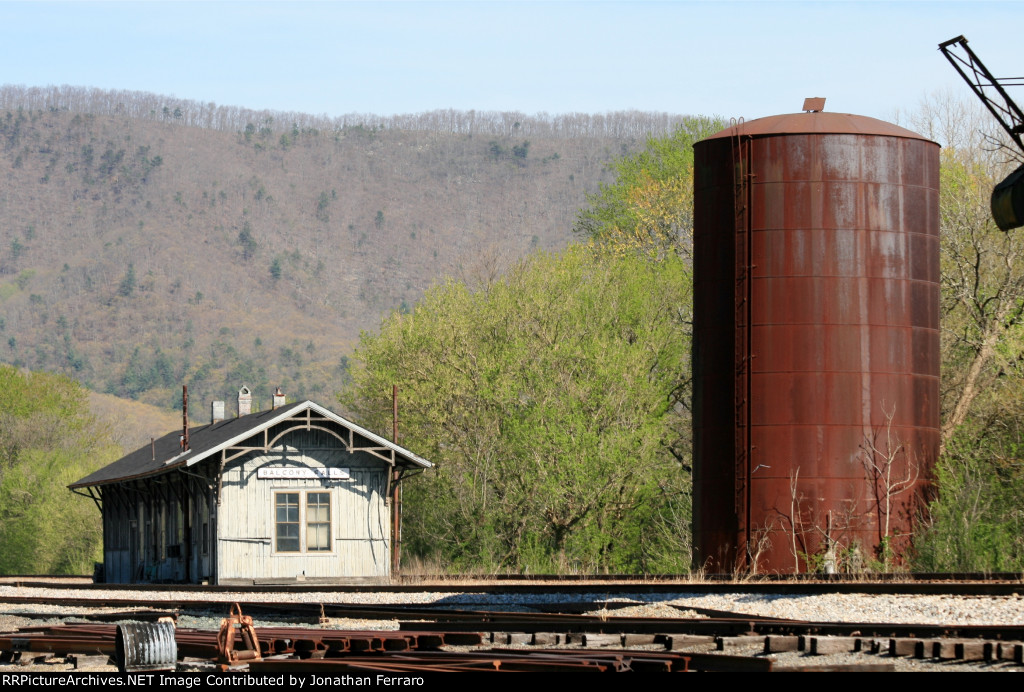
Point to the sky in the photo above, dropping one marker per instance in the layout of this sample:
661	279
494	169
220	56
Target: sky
732	59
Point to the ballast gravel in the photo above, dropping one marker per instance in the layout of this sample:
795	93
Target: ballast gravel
935	610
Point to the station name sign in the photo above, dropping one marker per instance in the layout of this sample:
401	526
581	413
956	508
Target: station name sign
333	474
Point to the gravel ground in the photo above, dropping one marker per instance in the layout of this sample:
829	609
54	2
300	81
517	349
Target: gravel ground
938	610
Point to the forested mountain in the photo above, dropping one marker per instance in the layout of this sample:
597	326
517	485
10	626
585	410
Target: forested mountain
147	242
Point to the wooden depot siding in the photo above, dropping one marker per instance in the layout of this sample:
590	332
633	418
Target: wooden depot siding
359	518
155	532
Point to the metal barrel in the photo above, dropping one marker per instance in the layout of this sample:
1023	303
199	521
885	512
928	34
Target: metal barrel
144	646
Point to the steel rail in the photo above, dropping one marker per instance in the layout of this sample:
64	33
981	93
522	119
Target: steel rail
739	625
449	583
167	595
413	634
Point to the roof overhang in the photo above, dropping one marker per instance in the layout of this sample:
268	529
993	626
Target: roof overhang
226	446
399	451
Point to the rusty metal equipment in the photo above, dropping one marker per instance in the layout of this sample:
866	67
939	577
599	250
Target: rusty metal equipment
1008	196
236	640
816	340
593	643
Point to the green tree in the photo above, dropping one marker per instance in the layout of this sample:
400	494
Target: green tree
48	439
322	203
650	204
976	523
495	151
976	520
247	241
17	250
128	282
550	401
982	288
144	372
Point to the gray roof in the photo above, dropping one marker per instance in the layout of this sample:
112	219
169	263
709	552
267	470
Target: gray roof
206	440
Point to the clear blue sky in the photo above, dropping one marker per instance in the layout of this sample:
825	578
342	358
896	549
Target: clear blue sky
725	58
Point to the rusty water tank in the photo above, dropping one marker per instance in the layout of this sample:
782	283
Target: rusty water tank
816	341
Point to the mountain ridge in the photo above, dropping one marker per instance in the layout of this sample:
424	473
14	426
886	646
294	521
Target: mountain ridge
138	254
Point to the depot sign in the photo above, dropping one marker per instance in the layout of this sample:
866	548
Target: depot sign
303	472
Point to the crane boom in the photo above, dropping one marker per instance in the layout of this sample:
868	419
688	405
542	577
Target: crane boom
987	87
1008	196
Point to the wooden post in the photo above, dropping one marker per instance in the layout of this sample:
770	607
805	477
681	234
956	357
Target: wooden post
396	515
184	417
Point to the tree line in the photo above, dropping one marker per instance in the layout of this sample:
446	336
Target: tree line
209	115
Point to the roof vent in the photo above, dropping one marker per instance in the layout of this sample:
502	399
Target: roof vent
216	412
244	401
278	398
814	105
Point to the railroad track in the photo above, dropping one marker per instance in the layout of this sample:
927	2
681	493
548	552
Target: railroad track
576	631
936	584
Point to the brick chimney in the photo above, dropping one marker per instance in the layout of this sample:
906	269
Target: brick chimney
278	398
244	401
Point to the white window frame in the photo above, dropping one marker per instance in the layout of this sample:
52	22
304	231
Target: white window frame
304	522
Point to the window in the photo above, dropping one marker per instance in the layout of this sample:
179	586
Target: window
318	522
287	520
290	516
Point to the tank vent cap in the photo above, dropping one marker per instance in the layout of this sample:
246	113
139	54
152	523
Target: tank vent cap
814	105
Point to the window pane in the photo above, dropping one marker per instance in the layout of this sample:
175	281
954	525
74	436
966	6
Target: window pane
318	537
318	522
318	514
287	524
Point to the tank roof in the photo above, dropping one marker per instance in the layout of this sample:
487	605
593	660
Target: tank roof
817	123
